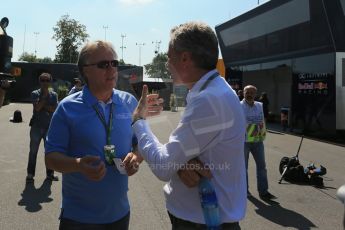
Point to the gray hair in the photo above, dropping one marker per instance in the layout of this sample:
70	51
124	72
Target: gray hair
250	87
200	40
87	51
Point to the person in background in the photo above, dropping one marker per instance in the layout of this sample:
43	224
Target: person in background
44	102
3	85
240	94
89	136
265	104
78	86
211	130
255	135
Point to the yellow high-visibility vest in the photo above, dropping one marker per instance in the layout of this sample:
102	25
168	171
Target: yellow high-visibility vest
256	132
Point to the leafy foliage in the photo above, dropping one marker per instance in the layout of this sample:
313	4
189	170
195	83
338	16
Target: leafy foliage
157	68
70	35
29	57
62	92
122	62
45	60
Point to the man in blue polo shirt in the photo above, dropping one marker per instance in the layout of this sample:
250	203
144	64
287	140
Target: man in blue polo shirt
86	127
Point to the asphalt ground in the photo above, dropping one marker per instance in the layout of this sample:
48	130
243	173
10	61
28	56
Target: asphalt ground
297	207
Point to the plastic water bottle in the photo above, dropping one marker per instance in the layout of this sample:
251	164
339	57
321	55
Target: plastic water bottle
209	204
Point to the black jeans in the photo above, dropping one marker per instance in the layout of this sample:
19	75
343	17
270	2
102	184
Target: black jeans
179	224
122	224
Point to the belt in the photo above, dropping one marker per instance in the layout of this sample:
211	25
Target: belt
177	222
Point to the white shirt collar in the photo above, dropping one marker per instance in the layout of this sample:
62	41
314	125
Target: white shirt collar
194	91
104	105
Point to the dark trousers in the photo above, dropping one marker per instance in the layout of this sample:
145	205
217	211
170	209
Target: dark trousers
179	224
36	135
122	224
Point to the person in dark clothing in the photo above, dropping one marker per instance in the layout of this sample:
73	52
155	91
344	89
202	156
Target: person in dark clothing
240	94
44	102
265	103
3	85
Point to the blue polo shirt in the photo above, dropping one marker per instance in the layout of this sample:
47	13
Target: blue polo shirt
76	131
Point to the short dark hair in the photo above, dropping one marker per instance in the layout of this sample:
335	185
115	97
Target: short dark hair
76	80
45	74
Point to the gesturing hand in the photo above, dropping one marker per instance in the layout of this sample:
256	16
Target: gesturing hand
149	105
132	162
92	167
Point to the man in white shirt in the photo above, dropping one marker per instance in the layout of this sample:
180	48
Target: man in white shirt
78	86
212	130
255	135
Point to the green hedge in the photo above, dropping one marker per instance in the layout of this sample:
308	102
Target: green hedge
62	92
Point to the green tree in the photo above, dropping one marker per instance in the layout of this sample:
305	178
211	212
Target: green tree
62	92
70	35
29	57
45	60
122	62
157	67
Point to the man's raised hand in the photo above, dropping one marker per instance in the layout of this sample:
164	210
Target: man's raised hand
149	105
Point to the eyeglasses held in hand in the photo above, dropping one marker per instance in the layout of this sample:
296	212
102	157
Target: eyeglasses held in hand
105	64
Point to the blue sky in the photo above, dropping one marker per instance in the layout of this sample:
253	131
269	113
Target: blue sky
142	21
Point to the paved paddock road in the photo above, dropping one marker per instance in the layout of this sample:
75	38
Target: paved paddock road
297	207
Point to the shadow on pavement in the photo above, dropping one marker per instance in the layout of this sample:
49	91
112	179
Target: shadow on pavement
327	190
277	214
32	197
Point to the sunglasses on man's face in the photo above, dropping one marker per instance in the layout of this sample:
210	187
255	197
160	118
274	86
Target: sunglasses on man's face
44	80
105	64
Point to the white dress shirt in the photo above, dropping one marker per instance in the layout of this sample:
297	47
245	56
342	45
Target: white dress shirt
212	128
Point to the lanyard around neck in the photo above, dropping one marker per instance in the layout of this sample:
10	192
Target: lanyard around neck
110	124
